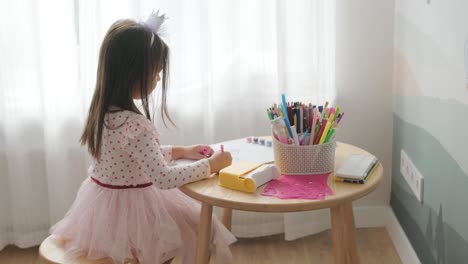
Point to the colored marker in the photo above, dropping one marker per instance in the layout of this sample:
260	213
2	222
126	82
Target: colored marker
330	135
319	135
301	142
337	111
331	119
284	108
205	151
295	137
314	122
325	132
310	116
270	114
295	123
285	114
339	119
288	126
222	148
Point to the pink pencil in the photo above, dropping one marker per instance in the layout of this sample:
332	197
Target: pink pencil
222	148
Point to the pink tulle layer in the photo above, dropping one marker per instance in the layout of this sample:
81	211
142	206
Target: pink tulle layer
150	224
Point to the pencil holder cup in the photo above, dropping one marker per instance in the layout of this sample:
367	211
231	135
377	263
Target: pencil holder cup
306	159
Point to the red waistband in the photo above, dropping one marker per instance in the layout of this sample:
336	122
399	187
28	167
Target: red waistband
144	185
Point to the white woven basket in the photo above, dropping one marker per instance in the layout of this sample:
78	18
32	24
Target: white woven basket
303	160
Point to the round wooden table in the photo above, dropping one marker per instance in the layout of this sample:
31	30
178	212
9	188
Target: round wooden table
340	203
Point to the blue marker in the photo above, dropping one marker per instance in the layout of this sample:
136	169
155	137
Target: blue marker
285	114
304	137
285	106
288	126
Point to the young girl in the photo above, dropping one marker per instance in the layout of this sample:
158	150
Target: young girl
129	206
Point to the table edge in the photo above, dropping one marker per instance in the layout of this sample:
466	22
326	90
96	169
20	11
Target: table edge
303	205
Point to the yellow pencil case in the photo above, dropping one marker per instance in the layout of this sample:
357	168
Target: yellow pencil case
232	177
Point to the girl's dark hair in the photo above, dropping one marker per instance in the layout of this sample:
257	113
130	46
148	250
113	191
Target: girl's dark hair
128	60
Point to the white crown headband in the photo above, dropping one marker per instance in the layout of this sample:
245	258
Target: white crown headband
156	24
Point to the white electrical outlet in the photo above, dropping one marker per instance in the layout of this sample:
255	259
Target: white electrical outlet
412	175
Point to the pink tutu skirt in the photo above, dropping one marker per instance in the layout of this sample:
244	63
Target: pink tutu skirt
149	224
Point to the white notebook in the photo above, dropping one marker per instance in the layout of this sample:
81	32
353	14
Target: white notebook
356	166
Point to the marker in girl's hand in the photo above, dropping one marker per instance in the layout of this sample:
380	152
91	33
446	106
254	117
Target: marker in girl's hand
205	151
222	148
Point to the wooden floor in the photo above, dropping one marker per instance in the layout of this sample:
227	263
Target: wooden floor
374	246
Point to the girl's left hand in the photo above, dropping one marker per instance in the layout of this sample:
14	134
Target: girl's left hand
197	152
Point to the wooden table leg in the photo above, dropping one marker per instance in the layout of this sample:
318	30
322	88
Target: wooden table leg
349	234
337	234
226	217
204	233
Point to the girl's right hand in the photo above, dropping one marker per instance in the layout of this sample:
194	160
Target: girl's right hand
219	160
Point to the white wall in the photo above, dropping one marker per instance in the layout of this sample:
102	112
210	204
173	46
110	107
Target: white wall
429	49
364	59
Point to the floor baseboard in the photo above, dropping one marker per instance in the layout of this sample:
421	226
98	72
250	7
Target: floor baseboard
400	240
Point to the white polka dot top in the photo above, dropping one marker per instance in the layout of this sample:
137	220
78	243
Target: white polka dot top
131	156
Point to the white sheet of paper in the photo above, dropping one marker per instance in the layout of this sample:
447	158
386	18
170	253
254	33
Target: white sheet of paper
241	150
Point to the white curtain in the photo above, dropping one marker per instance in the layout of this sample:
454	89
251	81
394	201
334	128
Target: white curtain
230	60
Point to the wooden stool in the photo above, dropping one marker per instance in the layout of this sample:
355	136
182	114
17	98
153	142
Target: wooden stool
52	252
